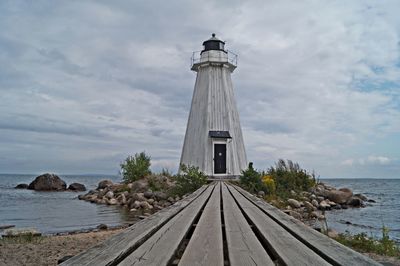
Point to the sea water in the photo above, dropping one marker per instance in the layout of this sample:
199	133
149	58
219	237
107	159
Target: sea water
55	212
384	212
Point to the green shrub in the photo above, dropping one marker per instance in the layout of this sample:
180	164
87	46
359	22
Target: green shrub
289	176
362	243
188	180
251	180
135	167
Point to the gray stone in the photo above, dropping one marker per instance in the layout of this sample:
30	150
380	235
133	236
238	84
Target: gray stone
171	199
159	195
340	196
139	186
314	202
148	194
261	194
308	206
109	195
104	184
77	187
145	205
112	201
294	203
150	201
22	186
361	196
323	205
135	204
102	227
138	196
355	202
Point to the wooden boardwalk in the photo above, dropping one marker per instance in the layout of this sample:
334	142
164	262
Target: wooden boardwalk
220	224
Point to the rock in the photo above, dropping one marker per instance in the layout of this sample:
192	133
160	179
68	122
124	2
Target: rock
372	201
340	196
294	203
313	196
139	186
150	201
332	233
65	258
344	206
22	186
309	206
177	198
296	215
171	199
323	205
145	205
361	196
314	203
133	210
314	214
135	204
138	196
109	195
104	184
289	208
48	182
336	207
102	227
319	198
112	201
157	207
261	194
121	199
77	187
148	194
159	195
355	202
293	193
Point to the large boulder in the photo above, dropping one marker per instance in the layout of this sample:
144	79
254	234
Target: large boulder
77	187
104	184
48	182
340	196
140	186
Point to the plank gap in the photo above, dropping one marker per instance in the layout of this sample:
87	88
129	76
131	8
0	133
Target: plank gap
264	242
290	231
185	241
224	241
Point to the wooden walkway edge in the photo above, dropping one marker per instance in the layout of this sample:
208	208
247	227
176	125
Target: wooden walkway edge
220	224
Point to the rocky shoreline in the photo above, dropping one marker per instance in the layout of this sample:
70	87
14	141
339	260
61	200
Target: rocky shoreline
139	197
311	206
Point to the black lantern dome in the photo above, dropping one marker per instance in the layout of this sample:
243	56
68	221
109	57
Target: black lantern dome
213	44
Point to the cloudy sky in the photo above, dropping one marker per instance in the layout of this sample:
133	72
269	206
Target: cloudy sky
83	84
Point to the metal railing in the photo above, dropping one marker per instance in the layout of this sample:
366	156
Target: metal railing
232	58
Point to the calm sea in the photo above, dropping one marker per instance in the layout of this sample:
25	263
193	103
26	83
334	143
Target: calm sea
385	212
53	212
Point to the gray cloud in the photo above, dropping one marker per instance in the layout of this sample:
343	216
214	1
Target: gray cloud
84	84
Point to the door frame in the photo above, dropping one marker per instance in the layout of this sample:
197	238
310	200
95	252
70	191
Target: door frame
226	159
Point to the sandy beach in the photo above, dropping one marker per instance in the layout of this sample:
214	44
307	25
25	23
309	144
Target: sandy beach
48	250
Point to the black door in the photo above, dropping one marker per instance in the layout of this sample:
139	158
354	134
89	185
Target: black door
219	158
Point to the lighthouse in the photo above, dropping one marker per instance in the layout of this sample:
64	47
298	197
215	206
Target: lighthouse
213	140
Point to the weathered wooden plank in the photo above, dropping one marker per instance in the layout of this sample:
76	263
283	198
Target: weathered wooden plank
243	245
161	247
328	248
290	250
117	247
206	246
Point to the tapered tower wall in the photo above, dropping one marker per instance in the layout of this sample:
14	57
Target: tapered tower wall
214	109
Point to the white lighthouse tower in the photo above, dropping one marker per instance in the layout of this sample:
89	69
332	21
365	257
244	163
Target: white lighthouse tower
213	140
